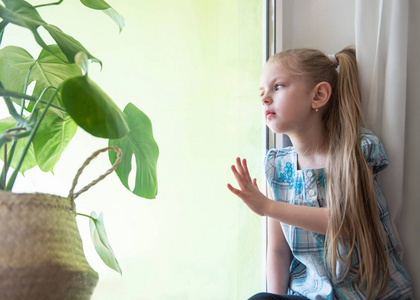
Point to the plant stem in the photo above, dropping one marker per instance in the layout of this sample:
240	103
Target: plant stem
21	135
3	139
12	179
6	137
29	132
7	162
4	171
3	25
49	4
11	108
83	215
35	108
6	93
25	87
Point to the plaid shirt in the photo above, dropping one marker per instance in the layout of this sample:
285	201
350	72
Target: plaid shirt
308	275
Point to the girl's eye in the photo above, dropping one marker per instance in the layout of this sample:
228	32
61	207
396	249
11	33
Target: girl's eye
278	86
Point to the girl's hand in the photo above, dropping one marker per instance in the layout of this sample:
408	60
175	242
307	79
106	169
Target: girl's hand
248	192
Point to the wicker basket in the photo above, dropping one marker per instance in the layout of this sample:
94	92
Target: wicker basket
41	252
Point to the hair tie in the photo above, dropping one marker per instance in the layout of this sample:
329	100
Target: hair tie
333	59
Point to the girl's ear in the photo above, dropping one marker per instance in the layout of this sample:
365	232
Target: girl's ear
322	94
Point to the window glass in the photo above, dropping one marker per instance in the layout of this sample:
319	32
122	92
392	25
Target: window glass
193	67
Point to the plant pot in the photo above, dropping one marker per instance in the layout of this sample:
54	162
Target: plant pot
41	252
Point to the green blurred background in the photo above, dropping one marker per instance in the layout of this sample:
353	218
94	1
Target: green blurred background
193	67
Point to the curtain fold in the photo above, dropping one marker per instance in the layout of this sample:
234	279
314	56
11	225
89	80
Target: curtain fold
381	45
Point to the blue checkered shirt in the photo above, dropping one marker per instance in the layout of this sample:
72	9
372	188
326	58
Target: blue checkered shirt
308	275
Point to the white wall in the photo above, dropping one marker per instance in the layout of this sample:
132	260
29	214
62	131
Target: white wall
410	222
329	26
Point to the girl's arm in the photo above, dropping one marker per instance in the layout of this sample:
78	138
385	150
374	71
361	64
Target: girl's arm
313	219
278	258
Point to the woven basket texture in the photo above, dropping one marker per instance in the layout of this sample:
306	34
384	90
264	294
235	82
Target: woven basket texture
41	252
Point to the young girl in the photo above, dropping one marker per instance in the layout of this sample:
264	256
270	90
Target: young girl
329	233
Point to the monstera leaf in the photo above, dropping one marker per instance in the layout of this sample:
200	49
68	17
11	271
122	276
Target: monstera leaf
101	243
140	143
23	14
107	9
47	70
50	70
92	109
14	65
52	138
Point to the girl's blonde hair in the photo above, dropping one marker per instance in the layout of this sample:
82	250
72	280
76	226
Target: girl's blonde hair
354	222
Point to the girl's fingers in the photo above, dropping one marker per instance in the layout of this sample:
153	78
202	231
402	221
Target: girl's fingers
233	190
238	177
241	173
248	177
254	182
243	169
239	166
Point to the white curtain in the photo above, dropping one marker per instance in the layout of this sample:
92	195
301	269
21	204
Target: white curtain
381	45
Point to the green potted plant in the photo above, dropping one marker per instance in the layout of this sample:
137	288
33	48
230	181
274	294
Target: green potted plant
41	124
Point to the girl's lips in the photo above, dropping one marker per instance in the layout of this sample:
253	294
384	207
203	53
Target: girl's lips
269	114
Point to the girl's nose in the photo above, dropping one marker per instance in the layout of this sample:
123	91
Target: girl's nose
266	99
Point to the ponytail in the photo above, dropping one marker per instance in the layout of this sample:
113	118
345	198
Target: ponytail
354	219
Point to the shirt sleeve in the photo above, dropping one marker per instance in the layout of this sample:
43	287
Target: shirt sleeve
373	151
269	165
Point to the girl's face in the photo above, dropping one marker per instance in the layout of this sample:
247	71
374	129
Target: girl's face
287	100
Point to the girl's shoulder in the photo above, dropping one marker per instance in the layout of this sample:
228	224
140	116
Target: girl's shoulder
275	158
373	150
278	159
280	153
